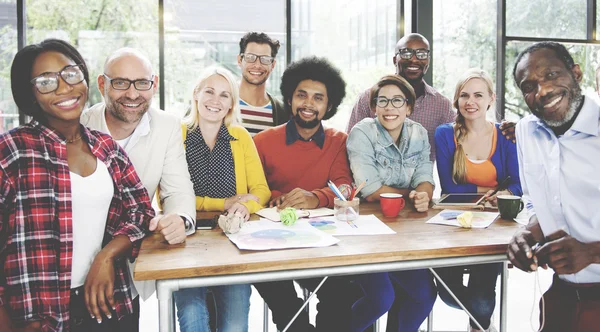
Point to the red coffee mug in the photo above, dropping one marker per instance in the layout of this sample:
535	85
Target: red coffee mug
391	204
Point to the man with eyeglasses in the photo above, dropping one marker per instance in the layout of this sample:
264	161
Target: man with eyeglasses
151	138
259	109
411	58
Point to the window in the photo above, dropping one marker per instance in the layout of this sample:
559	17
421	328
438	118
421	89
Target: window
546	19
198	36
357	36
96	29
460	44
9	116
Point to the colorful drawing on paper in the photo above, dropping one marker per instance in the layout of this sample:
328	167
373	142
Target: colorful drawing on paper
323	225
264	234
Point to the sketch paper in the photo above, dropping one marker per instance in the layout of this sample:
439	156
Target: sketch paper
273	214
365	225
265	234
448	217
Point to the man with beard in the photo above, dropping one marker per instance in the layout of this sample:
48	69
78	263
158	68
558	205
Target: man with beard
411	59
559	152
298	158
151	138
259	109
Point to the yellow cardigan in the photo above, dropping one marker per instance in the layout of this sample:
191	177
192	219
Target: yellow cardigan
249	174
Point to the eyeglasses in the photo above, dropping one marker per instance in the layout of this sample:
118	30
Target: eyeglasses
397	102
124	84
264	59
48	82
407	53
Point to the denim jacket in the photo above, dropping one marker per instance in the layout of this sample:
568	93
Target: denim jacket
374	156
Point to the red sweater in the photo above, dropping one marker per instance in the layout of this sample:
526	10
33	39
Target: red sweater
303	164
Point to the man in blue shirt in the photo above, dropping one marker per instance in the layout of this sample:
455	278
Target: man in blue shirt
559	152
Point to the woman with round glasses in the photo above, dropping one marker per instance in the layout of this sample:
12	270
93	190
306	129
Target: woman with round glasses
73	208
228	176
391	153
474	157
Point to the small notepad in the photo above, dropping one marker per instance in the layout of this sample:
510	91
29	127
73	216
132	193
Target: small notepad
273	214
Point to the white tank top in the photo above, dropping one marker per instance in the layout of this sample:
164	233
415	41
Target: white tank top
91	197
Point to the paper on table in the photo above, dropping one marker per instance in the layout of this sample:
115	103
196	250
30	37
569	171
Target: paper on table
365	225
523	218
273	214
265	234
448	217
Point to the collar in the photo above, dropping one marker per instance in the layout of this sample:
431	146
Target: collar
291	134
223	134
429	90
588	119
384	137
142	129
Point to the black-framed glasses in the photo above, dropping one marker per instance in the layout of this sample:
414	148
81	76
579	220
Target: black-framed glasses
264	59
124	84
48	82
407	53
397	102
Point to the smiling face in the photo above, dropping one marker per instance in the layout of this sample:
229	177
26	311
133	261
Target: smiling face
550	89
413	69
127	105
214	99
256	73
67	102
474	99
392	118
309	103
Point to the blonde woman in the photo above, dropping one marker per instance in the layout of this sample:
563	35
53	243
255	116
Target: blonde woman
228	176
473	157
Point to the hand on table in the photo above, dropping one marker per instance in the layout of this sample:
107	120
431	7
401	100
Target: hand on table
171	226
494	198
240	208
420	200
297	198
564	253
99	287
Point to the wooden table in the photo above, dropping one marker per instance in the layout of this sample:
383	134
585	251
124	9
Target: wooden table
208	258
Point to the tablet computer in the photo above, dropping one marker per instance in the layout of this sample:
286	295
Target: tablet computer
461	199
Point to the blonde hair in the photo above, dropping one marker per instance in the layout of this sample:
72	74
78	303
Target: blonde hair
192	120
459	167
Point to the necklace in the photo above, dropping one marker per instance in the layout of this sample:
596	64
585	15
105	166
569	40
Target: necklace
73	140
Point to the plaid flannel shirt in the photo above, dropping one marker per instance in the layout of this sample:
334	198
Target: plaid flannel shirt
431	110
36	238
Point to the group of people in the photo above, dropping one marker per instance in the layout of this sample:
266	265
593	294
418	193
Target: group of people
68	268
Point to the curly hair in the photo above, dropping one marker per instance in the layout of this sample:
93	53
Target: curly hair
315	69
22	66
559	49
259	38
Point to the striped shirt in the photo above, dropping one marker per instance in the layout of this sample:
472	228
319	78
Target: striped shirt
256	118
431	110
36	223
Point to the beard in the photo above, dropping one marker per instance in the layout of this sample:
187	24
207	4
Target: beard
306	124
115	108
575	99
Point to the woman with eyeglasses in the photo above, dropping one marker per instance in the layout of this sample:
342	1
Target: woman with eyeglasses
228	176
73	208
474	157
391	153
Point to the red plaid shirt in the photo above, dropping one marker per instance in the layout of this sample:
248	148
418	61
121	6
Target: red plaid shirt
36	235
431	110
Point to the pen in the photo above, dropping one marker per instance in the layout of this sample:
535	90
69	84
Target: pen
359	188
335	190
500	186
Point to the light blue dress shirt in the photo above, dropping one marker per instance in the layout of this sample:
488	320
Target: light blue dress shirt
373	155
560	178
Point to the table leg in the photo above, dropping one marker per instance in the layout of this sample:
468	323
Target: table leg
166	306
504	297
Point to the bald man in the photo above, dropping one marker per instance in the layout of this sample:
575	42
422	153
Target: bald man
411	59
151	138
